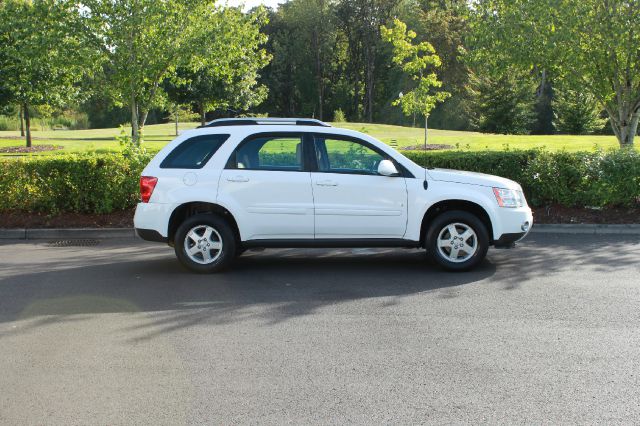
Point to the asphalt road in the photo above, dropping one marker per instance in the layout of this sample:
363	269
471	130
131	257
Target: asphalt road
119	333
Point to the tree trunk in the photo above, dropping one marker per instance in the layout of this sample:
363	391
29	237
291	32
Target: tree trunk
135	133
369	78
141	121
21	121
426	131
203	115
628	132
626	128
356	99
27	121
319	82
177	118
543	83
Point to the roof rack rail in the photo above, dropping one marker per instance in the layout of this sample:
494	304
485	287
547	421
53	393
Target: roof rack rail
250	121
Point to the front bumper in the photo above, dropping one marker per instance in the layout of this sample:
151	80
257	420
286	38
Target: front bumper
511	226
509	240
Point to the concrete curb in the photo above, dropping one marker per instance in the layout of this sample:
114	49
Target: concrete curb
601	229
66	233
106	233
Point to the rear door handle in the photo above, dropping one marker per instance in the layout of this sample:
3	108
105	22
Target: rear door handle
238	179
327	183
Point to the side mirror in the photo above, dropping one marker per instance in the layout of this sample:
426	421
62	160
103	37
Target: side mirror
387	168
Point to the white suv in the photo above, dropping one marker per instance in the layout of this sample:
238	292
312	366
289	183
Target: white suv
236	184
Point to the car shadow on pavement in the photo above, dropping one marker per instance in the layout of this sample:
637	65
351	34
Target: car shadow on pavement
270	286
278	285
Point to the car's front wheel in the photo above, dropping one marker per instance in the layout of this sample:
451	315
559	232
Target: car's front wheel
457	240
205	243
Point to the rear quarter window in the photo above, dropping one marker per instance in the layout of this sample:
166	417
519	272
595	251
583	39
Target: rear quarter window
194	152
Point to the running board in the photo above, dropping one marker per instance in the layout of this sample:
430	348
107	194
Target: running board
331	243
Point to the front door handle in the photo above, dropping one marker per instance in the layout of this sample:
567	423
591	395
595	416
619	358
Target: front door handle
326	183
238	179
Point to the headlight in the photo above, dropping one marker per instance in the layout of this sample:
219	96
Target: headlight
508	197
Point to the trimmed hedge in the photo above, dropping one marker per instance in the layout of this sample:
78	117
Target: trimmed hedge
104	183
575	179
71	183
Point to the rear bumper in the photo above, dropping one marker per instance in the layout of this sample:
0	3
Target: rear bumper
153	217
150	235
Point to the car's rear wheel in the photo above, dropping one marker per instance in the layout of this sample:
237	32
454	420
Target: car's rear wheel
205	243
457	240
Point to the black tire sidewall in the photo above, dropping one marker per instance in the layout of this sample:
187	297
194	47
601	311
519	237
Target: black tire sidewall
229	243
469	219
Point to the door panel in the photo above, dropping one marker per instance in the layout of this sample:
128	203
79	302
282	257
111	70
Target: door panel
351	198
360	206
268	190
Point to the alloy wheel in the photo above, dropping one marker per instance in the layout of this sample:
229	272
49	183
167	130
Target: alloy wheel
457	242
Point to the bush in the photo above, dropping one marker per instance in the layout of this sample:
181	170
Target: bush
578	179
104	183
71	183
67	121
339	117
9	123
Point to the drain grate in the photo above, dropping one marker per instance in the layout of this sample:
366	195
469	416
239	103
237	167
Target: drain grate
74	243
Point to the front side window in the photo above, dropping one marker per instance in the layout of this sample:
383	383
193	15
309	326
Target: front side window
280	153
346	156
194	152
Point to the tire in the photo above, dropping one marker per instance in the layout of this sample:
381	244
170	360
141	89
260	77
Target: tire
457	240
240	250
203	233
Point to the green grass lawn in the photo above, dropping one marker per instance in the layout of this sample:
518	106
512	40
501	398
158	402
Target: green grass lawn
156	136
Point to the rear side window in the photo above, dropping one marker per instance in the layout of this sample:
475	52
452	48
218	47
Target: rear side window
194	152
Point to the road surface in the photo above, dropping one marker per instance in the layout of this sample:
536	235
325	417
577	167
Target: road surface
119	333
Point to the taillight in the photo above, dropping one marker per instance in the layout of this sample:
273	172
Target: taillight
147	184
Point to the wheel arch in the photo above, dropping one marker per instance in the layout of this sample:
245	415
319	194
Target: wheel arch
186	210
455	204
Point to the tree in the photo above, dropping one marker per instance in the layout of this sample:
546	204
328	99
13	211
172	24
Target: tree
360	21
314	28
303	40
590	45
503	103
225	75
443	23
577	113
43	54
416	60
144	41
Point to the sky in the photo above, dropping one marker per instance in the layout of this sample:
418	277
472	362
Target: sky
248	4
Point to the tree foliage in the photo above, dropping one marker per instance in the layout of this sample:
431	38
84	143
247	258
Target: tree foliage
418	61
503	104
591	45
225	75
503	61
577	113
144	42
43	54
360	22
